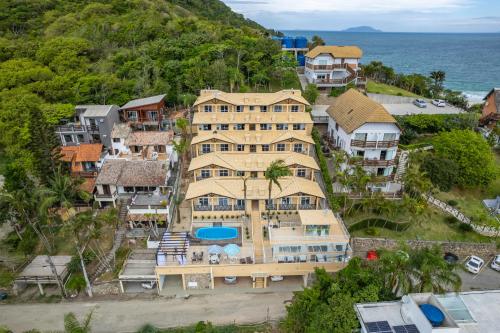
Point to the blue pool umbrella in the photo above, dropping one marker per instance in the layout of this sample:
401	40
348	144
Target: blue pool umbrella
232	249
215	249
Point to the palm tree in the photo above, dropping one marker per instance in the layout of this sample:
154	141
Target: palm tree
415	181
181	148
182	124
432	273
72	325
438	77
397	271
276	170
316	41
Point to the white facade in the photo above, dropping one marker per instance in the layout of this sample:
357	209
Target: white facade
374	143
327	71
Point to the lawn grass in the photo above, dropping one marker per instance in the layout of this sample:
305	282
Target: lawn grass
382	88
431	225
251	328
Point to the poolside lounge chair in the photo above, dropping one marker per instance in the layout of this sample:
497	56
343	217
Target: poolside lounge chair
289	259
281	260
194	258
303	258
249	260
243	261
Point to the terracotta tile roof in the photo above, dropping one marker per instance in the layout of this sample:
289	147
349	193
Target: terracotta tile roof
250	162
88	185
352	109
252	118
85	152
256	188
336	51
251	98
149	138
133	173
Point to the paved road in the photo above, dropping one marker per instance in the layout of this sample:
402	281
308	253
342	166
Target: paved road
129	316
487	279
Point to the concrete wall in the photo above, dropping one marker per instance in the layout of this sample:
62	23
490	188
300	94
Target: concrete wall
484	250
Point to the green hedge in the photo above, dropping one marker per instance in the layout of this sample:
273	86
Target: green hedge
435	123
379	223
323	165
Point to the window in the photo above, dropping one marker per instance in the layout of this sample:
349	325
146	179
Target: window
205	173
240	147
207	108
205	148
297	147
295	108
360	136
239	108
322	62
132	115
223	201
81	138
116	139
298	127
224	108
389	136
336	126
317	248
68	138
253	148
240	203
286	200
239	127
224	147
203	201
223	173
280	147
240	173
305	201
265	147
153	115
252	127
278	108
281	127
206	127
266	127
223	127
360	153
263	108
252	107
301	172
128	189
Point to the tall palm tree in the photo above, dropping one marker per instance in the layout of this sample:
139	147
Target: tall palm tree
72	325
276	170
316	41
397	271
182	124
432	272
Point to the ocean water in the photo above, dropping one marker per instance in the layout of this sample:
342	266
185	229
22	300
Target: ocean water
471	61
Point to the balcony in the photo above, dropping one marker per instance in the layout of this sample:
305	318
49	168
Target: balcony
374	144
377	163
307	207
288	207
239	207
202	177
111	195
199	208
326	67
271	207
85	174
76	128
222	207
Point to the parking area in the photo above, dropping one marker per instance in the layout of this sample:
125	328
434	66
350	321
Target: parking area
404	109
486	279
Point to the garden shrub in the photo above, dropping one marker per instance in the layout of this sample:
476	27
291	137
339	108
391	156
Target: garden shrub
465	227
76	283
372	231
452	202
442	172
451	219
379	223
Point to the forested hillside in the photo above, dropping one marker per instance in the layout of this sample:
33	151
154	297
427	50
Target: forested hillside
58	53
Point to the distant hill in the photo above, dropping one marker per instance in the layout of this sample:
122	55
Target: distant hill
363	28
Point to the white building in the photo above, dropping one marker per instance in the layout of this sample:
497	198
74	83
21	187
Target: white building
333	66
363	128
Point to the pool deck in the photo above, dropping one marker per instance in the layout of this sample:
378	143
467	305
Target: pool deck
207	242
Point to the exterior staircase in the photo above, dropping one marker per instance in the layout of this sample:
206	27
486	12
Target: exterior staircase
402	164
259	282
122	209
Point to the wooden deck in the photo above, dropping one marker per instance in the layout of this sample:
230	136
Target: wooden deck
257	236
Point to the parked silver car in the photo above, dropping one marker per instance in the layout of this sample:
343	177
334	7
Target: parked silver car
495	264
420	103
439	103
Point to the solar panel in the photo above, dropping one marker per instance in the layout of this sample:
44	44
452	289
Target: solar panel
378	327
406	329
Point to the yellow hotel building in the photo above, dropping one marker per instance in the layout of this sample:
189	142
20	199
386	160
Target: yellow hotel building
237	136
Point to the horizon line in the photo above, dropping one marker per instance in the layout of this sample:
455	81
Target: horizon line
393	32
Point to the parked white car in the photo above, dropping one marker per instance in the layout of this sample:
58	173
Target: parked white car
474	264
276	278
148	285
439	103
495	264
420	103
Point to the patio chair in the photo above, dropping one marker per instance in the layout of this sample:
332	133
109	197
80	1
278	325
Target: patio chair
249	260
281	260
243	261
289	259
200	256
303	258
194	258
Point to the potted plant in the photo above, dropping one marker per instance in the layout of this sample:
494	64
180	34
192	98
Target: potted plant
164	203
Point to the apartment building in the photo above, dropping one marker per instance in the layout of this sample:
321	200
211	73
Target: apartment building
364	129
238	135
91	124
333	66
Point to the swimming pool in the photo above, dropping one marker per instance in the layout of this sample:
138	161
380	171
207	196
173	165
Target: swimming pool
216	233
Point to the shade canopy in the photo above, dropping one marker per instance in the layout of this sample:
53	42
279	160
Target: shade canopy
215	249
232	249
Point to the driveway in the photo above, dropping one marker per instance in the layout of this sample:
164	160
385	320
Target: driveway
405	109
486	279
129	316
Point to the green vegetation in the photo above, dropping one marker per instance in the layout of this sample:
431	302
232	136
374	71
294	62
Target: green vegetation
471	154
311	93
337	91
386	89
378	222
328	305
207	327
325	172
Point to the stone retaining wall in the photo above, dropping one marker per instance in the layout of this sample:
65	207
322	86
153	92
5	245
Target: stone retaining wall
484	250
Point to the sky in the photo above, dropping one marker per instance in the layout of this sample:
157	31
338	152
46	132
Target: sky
386	15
